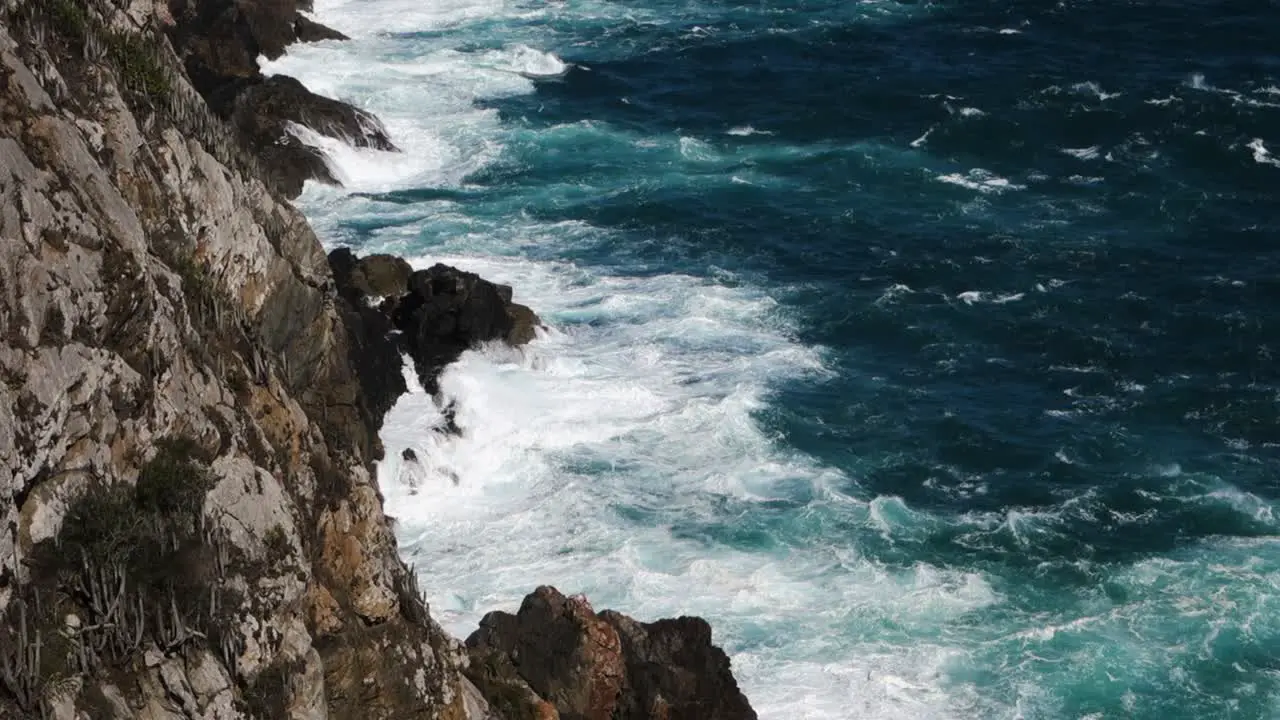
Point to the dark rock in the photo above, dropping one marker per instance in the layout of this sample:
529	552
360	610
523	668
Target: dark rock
374	354
216	30
409	455
445	312
439	313
289	163
271	23
606	666
507	693
450	413
265	108
215	41
219	42
262	111
308	30
342	263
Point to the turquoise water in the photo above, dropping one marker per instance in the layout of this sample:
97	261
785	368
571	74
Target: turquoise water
924	348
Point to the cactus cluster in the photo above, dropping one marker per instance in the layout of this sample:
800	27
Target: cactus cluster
133	567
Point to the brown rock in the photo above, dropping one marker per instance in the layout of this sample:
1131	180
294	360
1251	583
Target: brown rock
382	275
507	693
524	324
603	666
558	645
323	612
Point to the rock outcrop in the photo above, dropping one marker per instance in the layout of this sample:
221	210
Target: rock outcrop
219	42
601	667
439	313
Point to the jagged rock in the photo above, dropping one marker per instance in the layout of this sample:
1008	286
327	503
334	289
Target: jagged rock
374	353
150	291
265	109
440	312
223	38
498	681
524	324
220	42
445	312
308	30
561	648
605	666
266	113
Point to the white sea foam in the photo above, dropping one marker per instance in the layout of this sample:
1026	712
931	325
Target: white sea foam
981	180
1092	88
1088	153
524	60
1261	154
746	131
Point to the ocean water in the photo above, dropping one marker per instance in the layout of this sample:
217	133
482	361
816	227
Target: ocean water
925	348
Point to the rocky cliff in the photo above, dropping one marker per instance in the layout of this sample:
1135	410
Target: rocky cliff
190	396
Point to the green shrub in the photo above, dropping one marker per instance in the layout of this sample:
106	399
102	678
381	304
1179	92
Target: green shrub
69	18
138	63
175	481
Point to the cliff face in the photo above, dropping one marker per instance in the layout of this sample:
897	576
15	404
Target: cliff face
189	407
170	343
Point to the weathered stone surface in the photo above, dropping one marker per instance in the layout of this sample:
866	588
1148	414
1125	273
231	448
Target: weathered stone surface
524	324
156	293
382	275
149	291
440	312
266	112
447	311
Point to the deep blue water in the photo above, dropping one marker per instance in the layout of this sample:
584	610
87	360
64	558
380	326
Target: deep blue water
975	303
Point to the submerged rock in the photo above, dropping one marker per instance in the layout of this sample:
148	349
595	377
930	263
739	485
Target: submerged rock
603	666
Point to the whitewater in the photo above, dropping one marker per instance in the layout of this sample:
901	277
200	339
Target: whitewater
643	449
